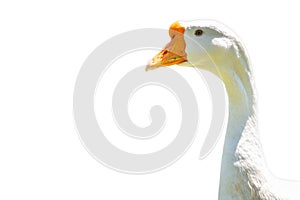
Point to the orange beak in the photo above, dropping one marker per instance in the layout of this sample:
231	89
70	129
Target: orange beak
174	51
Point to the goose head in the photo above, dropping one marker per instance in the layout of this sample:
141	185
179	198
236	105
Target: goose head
198	44
210	46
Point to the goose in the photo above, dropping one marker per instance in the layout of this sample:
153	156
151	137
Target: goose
244	174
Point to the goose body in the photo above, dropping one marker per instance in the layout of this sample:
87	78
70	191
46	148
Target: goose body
244	173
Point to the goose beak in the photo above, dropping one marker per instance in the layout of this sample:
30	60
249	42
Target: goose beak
174	52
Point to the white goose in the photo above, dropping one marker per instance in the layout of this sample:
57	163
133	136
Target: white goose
244	174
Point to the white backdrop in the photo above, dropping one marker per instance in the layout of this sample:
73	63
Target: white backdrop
42	47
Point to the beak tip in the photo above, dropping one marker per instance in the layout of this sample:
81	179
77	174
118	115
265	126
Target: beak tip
149	66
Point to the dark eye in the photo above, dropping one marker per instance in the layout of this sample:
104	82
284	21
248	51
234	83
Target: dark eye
198	32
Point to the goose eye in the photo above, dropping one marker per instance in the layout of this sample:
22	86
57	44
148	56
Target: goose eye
198	32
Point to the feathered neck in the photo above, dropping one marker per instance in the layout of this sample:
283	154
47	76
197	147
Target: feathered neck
243	170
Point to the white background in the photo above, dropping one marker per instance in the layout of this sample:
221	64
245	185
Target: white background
42	47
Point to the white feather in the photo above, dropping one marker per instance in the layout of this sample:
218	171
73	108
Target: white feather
244	173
